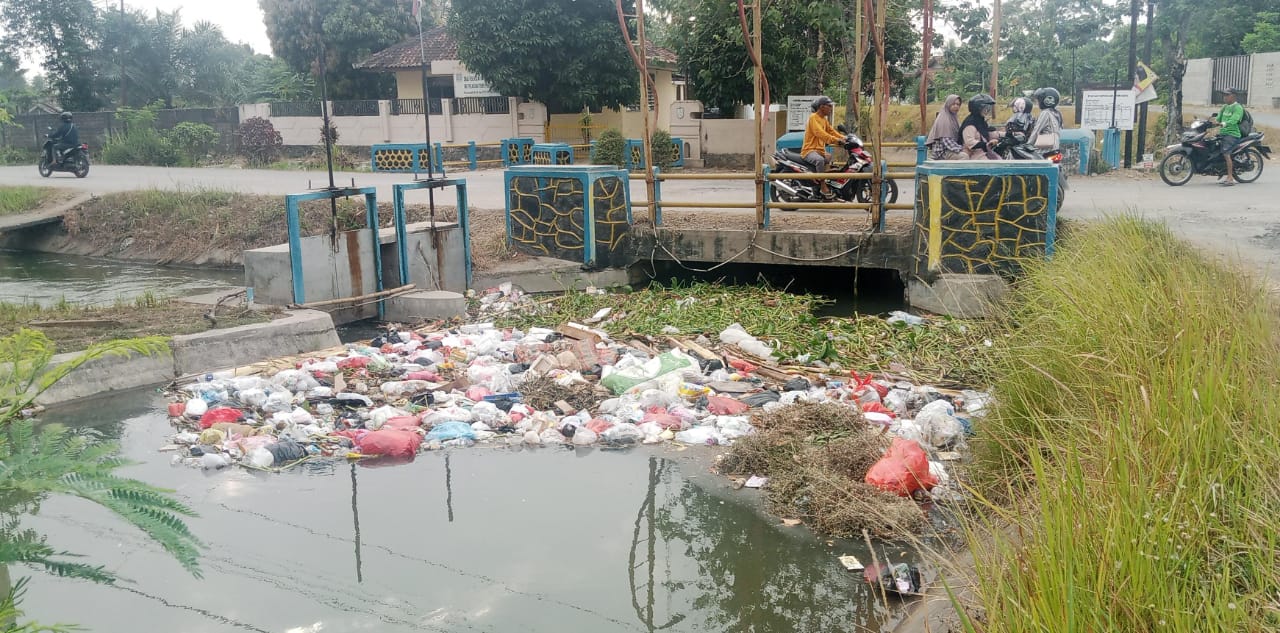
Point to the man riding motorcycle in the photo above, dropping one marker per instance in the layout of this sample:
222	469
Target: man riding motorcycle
1229	134
64	138
818	134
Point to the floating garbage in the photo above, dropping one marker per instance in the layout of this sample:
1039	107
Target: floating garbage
564	385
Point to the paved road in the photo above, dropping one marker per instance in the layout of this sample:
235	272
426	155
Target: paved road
1242	222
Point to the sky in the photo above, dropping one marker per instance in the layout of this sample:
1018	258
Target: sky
241	20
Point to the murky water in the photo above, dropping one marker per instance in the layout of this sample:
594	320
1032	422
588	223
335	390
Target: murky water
47	278
483	540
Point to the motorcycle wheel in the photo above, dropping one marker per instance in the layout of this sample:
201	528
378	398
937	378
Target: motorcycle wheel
891	196
81	168
1062	195
1176	169
1248	165
44	168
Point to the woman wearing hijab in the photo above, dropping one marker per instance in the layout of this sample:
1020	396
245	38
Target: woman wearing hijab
944	137
975	134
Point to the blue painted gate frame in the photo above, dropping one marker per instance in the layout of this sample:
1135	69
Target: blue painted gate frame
370	194
464	221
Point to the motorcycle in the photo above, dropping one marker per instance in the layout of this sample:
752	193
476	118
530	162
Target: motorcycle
1195	154
1014	146
74	160
845	190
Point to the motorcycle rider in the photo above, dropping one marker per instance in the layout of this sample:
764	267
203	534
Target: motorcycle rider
818	134
1050	120
64	138
943	140
1020	123
1229	135
976	135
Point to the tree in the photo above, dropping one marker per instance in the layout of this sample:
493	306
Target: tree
63	35
565	54
1265	36
346	30
53	460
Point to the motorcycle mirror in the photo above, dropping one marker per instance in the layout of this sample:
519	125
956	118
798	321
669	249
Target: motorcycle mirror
841	129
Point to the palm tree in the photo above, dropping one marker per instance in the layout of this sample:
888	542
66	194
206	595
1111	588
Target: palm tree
37	462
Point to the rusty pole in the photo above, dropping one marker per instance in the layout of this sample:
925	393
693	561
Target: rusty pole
925	45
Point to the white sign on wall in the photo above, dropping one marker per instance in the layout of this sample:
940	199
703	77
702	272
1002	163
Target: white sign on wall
1096	109
798	112
471	85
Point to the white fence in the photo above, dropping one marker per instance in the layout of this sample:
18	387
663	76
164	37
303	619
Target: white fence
364	123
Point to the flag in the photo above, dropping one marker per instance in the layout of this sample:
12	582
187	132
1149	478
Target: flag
416	9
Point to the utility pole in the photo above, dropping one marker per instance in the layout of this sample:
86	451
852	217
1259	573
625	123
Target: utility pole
1133	71
120	54
1146	54
995	51
926	41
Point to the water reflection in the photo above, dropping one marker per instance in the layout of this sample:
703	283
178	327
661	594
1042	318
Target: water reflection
47	278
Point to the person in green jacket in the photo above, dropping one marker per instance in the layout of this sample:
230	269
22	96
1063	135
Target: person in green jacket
1229	118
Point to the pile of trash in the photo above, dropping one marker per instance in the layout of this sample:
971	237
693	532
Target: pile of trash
409	391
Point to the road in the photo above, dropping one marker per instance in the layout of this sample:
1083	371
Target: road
1240	223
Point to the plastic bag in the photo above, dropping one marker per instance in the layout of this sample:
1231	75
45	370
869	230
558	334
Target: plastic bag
734	334
634	378
396	389
698	435
260	457
622	434
219	414
195	408
451	430
938	424
402	422
389	442
584	437
721	405
903	470
286	451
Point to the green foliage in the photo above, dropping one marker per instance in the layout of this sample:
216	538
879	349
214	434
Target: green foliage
348	31
665	150
61	35
610	148
1132	416
1265	36
139	143
36	463
17	156
195	141
259	141
328	133
567	55
584	122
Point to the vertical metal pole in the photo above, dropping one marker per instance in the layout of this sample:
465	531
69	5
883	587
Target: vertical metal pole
882	111
859	56
925	44
646	89
1146	54
761	115
995	51
1133	70
120	43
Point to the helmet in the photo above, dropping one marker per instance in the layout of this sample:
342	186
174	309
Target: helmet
1020	105
821	101
980	102
65	116
1047	98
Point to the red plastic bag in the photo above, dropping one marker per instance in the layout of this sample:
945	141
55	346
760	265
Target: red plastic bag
389	442
876	407
176	409
720	405
354	362
220	414
429	376
903	470
664	420
403	422
599	425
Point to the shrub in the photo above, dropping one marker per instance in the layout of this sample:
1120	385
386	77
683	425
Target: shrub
259	141
137	142
328	133
665	151
610	147
194	141
17	156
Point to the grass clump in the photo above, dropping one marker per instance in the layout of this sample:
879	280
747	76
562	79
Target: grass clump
20	199
1134	447
817	457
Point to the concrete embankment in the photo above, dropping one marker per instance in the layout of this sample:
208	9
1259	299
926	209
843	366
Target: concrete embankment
300	331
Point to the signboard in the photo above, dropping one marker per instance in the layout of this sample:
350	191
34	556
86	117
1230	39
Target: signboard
1144	80
1148	161
1096	109
798	112
471	85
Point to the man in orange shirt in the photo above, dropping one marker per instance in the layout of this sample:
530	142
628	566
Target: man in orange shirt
818	134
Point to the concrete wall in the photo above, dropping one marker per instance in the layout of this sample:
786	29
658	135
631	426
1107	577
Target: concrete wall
1197	83
1264	80
405	128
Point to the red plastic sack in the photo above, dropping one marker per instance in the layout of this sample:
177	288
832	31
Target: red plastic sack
876	407
389	442
903	470
403	422
429	376
599	425
664	420
720	405
354	362
176	409
220	414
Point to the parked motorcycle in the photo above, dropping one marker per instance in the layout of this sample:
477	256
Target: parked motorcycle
74	160
1195	154
846	190
1015	146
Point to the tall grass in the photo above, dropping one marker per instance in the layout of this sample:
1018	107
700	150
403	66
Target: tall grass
1132	461
20	199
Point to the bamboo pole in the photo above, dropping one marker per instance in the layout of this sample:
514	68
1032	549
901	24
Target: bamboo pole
372	295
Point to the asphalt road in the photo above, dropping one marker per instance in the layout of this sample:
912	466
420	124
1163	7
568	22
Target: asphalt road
1241	223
